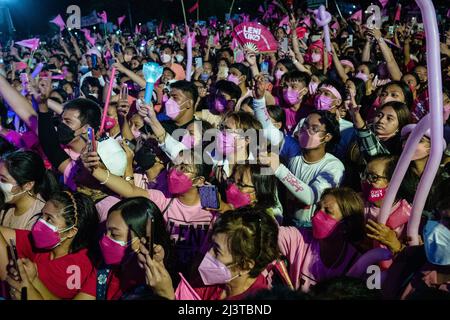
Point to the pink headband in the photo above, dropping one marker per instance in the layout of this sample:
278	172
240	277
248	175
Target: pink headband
348	64
332	90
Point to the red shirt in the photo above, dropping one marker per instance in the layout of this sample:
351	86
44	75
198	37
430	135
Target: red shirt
58	275
214	292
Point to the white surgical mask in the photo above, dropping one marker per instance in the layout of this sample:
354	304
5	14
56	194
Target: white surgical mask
179	58
166	58
436	239
7	191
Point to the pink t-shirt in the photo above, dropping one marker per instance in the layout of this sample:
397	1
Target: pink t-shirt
188	226
303	252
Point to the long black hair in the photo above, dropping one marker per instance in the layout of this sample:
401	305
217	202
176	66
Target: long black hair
136	212
27	166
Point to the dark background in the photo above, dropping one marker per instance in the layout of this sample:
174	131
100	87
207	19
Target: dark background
30	17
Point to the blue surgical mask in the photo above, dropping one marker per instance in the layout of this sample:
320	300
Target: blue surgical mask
436	238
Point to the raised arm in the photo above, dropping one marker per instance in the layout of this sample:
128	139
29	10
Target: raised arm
338	66
130	74
392	65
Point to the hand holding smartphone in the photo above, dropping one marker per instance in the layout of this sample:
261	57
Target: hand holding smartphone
209	197
92	145
14	256
150	235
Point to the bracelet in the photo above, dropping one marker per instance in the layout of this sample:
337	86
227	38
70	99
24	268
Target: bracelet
107	178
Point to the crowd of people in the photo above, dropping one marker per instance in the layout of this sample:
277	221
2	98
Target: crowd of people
248	175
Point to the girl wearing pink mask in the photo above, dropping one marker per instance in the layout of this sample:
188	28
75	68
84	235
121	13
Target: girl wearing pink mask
60	239
316	57
183	213
375	180
382	136
240	75
227	271
329	249
128	229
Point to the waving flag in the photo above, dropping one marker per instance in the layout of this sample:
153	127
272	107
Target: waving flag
307	21
335	26
120	20
194	7
185	291
59	22
104	17
284	21
383	3
87	35
357	16
397	13
32	44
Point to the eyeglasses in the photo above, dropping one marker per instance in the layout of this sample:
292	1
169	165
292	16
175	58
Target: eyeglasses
312	129
371	177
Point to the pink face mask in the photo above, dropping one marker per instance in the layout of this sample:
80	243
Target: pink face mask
213	271
323	225
46	236
316	57
421	152
236	197
110	123
188	141
362	76
173	109
226	143
323	102
113	251
307	140
278	74
371	193
178	182
291	96
233	78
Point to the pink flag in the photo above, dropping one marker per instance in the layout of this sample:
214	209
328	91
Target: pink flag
307	21
104	17
138	29
204	31
261	9
448	13
59	22
335	26
185	291
397	13
284	21
20	66
216	39
357	16
120	20
383	3
245	17
159	29
32	44
194	7
87	35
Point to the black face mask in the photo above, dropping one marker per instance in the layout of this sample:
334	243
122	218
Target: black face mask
65	133
145	158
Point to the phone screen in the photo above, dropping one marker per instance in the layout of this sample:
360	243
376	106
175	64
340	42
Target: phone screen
284	45
209	197
264	67
198	62
91	137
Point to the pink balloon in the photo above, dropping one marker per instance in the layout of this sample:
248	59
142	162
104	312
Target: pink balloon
432	121
323	18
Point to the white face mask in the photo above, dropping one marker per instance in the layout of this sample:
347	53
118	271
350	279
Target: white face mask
166	58
179	58
436	239
7	190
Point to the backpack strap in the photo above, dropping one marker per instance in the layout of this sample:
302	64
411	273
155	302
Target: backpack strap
102	279
168	205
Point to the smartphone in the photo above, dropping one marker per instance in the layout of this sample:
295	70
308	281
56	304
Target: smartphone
391	30
14	255
315	37
284	45
92	147
209	196
211	40
94	61
265	67
151	236
198	62
117	47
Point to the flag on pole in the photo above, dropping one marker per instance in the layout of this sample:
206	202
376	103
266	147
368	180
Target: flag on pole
335	26
284	21
32	44
194	7
307	21
120	20
397	13
87	35
104	17
59	22
357	16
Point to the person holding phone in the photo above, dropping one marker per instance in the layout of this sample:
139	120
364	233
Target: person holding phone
61	238
127	231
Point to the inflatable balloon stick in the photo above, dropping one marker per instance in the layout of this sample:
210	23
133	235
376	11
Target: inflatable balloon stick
37	70
189	42
105	109
152	72
323	18
432	121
